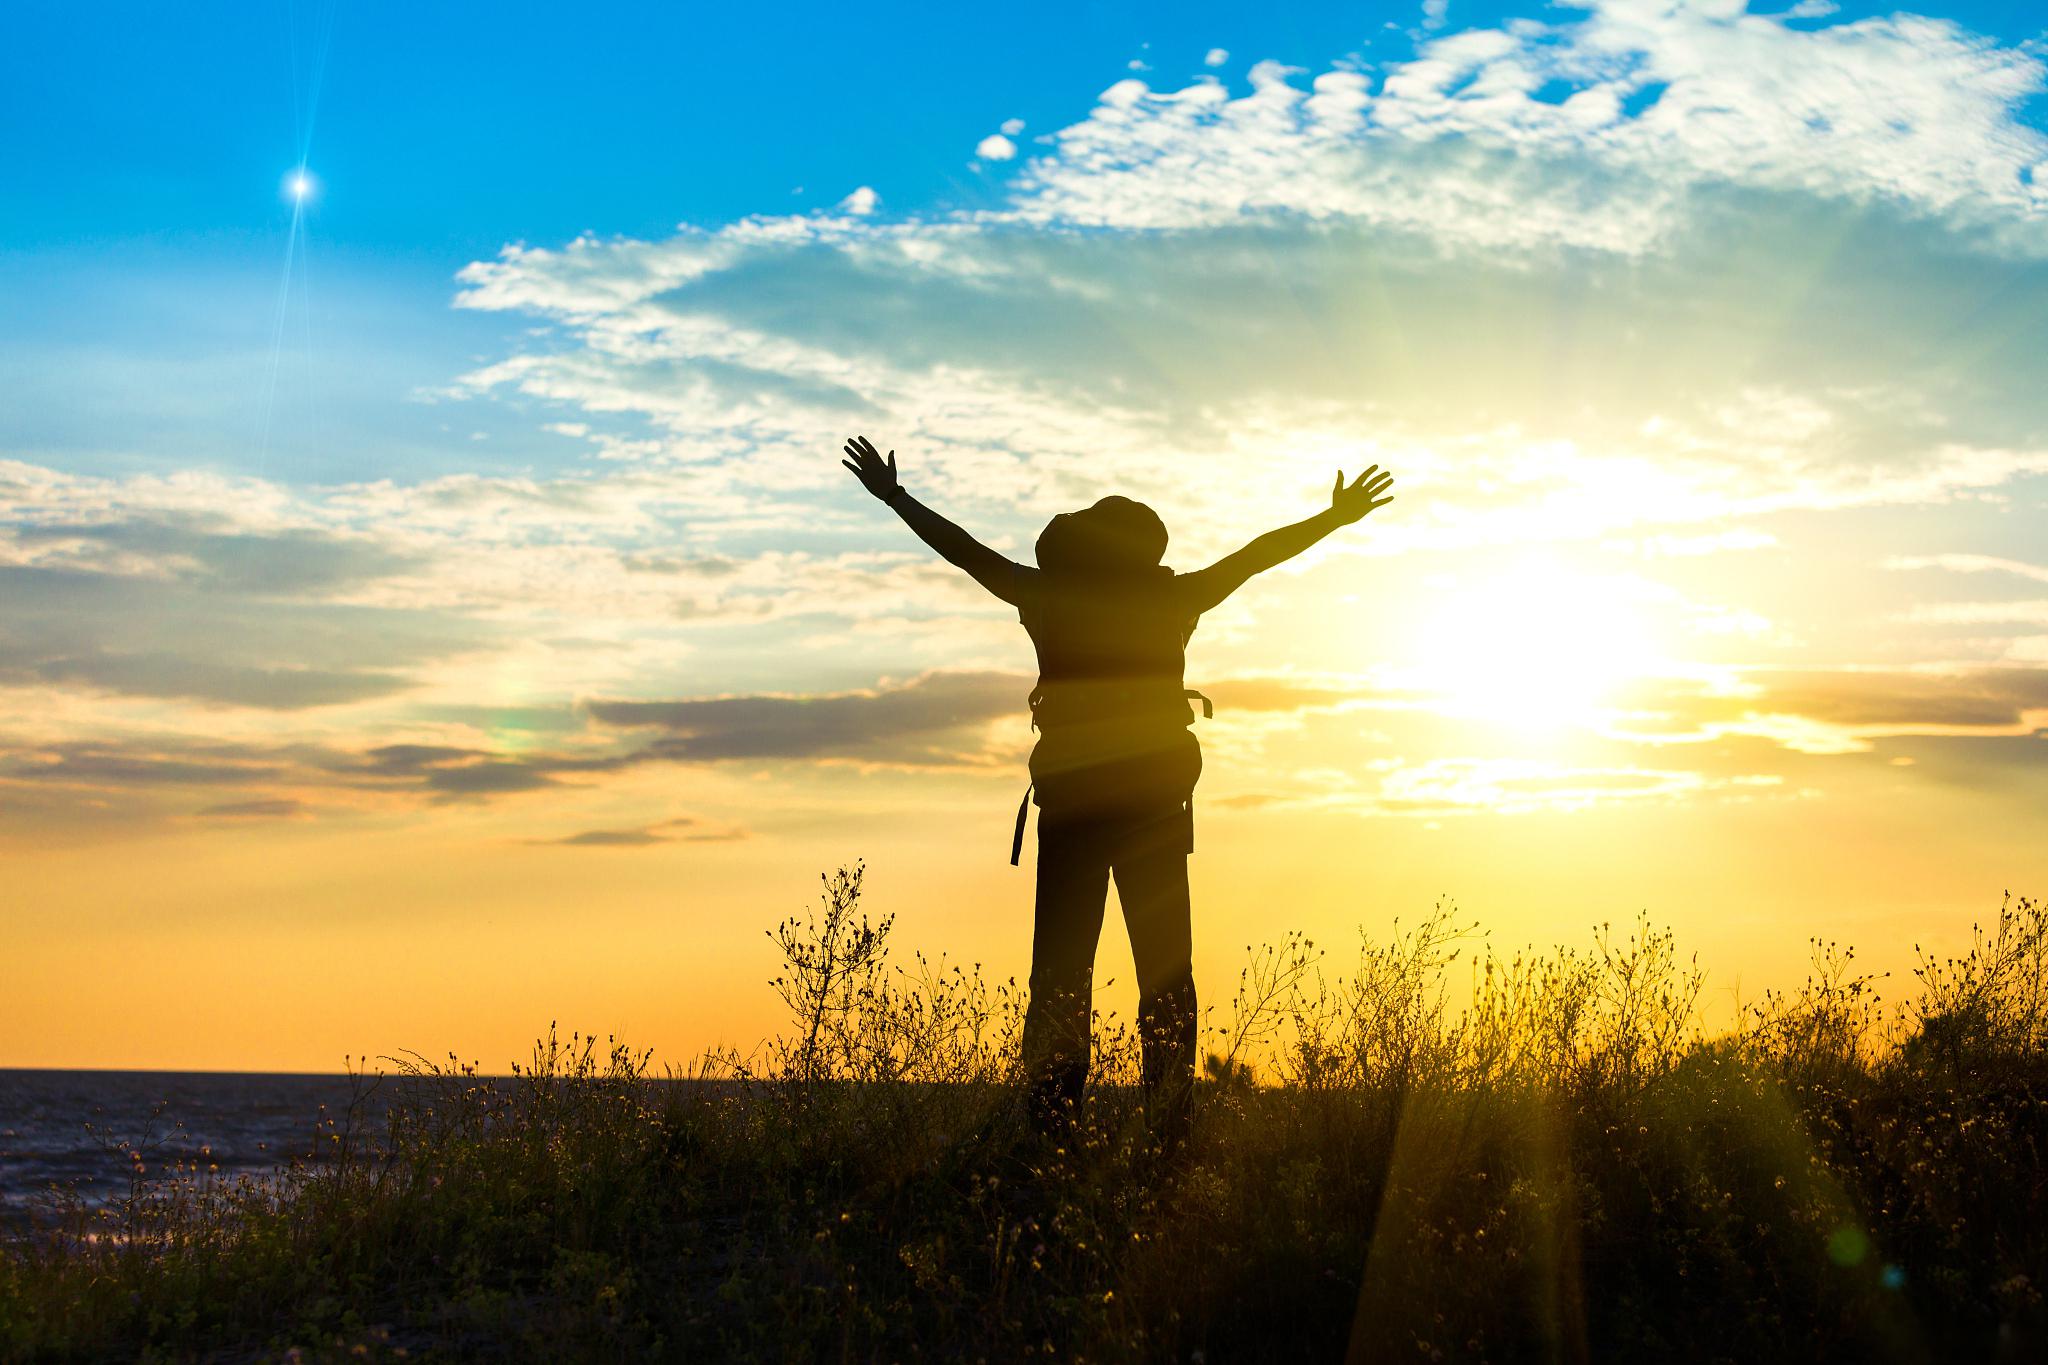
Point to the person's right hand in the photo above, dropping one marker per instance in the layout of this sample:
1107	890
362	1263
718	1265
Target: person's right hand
1362	495
875	474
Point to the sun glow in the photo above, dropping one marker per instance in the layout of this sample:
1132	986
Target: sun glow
1536	646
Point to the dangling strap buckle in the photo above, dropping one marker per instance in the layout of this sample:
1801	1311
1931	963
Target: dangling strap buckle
1208	707
1023	814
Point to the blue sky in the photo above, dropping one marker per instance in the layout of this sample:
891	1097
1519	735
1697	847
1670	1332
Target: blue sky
488	500
444	131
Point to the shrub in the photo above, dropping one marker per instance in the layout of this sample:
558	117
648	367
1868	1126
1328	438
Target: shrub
1552	1163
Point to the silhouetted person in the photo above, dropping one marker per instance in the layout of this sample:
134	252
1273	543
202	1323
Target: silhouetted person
1115	766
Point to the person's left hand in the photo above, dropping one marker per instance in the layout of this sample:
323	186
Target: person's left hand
1362	495
875	474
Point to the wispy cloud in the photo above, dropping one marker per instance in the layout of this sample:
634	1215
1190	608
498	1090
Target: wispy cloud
1960	563
138	635
902	723
684	830
279	808
1538	132
2032	612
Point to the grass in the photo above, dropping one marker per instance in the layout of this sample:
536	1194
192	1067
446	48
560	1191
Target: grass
1429	1152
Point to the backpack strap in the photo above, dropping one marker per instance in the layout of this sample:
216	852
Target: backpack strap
1017	838
1024	806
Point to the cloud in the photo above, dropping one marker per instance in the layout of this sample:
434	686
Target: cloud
1981	698
1624	112
700	566
2017	613
1506	786
923	721
118	765
609	838
168	763
1012	127
935	719
209	552
1962	563
861	202
939	719
485	779
138	635
947	720
1371	258
1215	56
406	760
1014	400
1451	785
452	772
186	676
682	830
1839	710
995	147
279	808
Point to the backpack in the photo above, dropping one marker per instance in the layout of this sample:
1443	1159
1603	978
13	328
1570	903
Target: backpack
1110	654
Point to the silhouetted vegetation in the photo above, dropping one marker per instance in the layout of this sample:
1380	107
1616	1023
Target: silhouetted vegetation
1422	1151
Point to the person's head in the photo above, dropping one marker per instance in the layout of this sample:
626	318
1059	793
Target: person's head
1116	535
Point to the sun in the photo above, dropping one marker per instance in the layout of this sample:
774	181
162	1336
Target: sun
1535	645
298	186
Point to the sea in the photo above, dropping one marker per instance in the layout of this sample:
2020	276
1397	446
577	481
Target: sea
75	1130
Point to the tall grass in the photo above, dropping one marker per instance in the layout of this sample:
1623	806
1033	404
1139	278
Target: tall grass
1415	1148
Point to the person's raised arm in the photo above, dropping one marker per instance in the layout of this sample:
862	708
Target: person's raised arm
1204	588
1001	576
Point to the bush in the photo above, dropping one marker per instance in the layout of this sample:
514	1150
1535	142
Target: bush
1552	1163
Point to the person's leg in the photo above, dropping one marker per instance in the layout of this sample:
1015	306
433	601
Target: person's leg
1073	884
1152	884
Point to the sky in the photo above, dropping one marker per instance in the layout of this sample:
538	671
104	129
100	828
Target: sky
431	605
